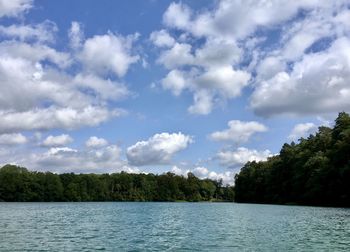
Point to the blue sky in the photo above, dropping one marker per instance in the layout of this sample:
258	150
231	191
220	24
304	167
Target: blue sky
157	86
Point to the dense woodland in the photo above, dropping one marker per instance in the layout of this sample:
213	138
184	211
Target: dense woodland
316	171
19	184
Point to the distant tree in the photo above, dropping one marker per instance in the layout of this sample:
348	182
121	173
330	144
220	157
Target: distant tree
19	184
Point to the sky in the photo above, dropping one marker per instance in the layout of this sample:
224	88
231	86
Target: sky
156	86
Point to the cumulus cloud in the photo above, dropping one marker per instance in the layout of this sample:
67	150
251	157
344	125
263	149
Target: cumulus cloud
227	177
213	46
55	141
106	159
38	88
105	89
178	55
108	53
317	84
178	171
202	103
54	118
210	77
210	68
44	88
34	53
227	81
158	149
309	72
14	8
302	130
200	172
95	142
233	19
101	160
12	139
162	38
177	15
240	156
174	81
213	77
238	131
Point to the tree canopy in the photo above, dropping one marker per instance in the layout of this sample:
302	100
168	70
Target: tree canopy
19	184
315	171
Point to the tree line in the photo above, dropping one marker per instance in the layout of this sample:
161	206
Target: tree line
315	171
21	185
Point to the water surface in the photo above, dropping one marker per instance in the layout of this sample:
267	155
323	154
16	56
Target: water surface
117	226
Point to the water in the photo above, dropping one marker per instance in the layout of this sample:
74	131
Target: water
172	227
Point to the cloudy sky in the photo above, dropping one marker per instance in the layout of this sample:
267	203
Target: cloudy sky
156	86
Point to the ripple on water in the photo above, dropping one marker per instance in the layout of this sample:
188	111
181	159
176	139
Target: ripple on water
171	227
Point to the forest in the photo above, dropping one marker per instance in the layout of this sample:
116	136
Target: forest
17	184
314	171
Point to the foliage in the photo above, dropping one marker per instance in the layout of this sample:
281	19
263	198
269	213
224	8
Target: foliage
316	171
19	184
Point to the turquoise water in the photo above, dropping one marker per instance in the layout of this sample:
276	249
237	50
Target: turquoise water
172	227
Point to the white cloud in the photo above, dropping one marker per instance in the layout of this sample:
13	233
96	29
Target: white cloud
42	32
66	105
34	53
58	150
55	141
200	172
210	68
237	158
211	45
94	142
178	55
14	8
302	130
174	81
178	171
202	103
12	139
39	89
24	84
100	160
238	131
218	52
224	80
108	53
54	118
75	35
158	149
269	67
106	159
217	81
106	89
162	38
227	177
177	15
308	71
234	19
317	84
